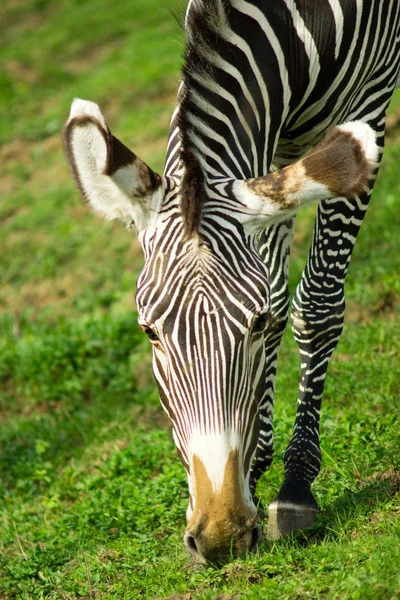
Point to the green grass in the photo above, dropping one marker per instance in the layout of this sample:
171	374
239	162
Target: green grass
92	494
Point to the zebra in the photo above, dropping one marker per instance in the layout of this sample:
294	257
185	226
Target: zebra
280	104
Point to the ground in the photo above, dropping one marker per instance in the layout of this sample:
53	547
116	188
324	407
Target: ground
92	493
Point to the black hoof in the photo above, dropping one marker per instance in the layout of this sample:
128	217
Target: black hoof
294	508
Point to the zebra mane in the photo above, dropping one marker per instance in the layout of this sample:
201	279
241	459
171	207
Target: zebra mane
202	40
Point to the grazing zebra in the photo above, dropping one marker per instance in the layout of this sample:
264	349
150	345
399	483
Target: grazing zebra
262	82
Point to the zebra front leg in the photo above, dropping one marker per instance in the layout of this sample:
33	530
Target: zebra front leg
347	157
274	248
317	322
340	167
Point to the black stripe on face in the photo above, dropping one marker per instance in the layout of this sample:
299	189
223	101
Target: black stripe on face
207	366
202	300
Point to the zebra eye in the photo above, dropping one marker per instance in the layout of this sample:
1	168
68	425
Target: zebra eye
260	324
153	337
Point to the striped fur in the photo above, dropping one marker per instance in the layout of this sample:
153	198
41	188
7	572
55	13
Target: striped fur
261	84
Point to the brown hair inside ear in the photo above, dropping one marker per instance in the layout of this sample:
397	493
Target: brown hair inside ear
339	162
120	156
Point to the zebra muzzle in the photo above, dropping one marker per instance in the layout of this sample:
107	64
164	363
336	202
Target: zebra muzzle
213	546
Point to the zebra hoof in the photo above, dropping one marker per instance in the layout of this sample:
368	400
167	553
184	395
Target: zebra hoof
294	508
287	518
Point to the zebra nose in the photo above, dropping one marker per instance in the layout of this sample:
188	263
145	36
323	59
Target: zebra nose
203	549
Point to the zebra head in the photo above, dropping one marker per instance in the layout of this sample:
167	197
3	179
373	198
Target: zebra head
203	300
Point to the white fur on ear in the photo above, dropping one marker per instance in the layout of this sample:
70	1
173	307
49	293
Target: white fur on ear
81	108
114	181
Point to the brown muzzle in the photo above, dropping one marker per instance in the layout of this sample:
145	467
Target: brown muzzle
223	525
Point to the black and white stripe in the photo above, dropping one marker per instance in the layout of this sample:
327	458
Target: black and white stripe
262	82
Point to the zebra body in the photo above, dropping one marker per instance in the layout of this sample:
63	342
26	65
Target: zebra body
262	82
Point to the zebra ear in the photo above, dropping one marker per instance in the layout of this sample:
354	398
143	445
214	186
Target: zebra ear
114	181
339	166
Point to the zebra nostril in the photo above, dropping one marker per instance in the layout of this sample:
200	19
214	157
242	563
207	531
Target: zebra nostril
191	545
256	537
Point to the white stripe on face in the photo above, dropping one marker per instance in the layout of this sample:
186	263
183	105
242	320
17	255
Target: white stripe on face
213	449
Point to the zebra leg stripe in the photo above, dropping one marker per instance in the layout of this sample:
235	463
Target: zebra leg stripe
274	248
